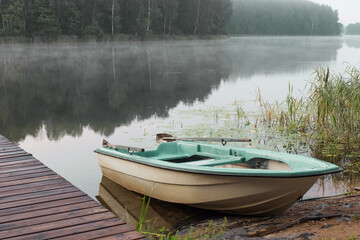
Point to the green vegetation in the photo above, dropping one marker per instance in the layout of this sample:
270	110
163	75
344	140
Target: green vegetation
353	29
329	117
283	17
327	120
144	209
212	231
324	124
51	18
146	19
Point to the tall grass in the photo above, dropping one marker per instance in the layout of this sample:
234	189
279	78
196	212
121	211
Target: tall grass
329	116
335	100
291	115
143	212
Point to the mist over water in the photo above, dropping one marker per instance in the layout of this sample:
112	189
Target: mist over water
59	100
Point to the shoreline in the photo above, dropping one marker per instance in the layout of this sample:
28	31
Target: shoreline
324	218
107	38
135	38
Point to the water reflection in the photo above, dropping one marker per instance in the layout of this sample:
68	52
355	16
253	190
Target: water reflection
331	185
271	55
352	41
127	206
106	85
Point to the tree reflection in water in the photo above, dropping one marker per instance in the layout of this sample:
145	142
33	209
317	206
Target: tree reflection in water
66	87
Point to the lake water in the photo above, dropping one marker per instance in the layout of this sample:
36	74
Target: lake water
58	101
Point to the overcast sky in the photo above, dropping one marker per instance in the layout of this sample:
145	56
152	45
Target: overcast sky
349	10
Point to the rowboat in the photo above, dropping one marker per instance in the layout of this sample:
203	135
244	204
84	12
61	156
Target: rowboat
228	179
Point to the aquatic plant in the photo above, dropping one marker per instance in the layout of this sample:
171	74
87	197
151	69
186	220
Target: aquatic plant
291	115
144	209
328	118
323	122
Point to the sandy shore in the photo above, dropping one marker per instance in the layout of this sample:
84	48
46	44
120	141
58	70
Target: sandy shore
326	218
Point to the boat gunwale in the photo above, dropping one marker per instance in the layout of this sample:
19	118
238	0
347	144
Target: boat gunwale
219	172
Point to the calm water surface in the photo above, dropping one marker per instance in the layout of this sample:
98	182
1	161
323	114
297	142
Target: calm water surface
58	101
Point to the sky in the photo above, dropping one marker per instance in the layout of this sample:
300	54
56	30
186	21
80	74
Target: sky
349	10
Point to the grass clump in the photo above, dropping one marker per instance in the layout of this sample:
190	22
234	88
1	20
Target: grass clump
212	231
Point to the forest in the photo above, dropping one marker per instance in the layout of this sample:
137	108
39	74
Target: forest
353	29
283	17
53	18
99	17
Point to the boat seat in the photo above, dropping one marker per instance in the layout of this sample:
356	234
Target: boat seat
167	157
216	162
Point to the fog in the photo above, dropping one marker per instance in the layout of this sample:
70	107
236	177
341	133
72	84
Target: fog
105	85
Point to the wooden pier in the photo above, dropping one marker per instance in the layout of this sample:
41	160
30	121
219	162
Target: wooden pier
37	203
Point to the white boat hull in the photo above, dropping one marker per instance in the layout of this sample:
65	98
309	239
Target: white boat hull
231	194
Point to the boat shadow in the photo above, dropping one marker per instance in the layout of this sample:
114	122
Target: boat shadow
160	215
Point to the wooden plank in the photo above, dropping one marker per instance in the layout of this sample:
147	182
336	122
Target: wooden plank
83	222
4	207
69	231
19	166
45	172
115	232
59	200
16	155
14	159
126	235
35	195
11	152
27	181
46	187
7	142
21	169
77	213
9	148
24	172
89	203
33	184
14	163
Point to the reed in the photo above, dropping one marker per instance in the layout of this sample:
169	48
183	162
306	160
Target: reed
291	115
335	99
328	117
143	212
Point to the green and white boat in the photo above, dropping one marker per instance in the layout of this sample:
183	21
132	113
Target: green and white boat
228	179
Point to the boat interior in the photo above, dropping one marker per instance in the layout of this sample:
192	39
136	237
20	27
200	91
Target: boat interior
210	156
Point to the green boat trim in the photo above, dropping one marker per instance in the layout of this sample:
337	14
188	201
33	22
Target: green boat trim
203	158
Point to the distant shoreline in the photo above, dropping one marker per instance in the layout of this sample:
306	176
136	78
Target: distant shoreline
107	38
136	38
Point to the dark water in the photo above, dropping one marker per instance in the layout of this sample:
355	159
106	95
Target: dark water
58	101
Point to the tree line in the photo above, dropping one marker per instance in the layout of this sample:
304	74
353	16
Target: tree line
353	29
283	17
99	17
51	18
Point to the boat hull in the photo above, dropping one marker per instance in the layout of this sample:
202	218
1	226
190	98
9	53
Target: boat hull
245	195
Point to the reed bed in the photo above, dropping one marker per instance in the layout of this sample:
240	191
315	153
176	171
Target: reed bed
328	117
